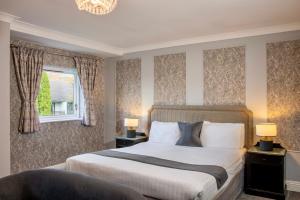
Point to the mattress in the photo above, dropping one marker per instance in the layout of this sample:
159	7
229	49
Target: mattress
161	182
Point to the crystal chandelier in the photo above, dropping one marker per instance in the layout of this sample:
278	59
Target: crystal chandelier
97	7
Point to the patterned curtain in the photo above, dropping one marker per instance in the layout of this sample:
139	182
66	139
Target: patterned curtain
28	65
87	71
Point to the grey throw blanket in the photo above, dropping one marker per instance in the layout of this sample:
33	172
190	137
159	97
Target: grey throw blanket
219	173
49	184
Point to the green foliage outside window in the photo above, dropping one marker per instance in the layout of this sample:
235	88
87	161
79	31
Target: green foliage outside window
44	97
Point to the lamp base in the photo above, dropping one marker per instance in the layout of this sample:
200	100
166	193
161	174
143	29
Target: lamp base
131	133
266	145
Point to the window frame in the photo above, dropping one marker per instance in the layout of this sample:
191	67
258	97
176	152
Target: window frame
78	97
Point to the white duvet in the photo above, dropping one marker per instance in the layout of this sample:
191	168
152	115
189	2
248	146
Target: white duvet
162	182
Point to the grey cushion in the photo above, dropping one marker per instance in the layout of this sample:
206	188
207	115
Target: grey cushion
190	134
49	184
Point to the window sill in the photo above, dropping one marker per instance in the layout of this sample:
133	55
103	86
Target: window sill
58	119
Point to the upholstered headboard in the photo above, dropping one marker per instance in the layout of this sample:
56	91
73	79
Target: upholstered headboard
229	114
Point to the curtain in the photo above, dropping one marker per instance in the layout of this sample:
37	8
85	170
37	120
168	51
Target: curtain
28	65
87	69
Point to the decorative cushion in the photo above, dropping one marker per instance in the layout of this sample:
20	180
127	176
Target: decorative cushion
190	134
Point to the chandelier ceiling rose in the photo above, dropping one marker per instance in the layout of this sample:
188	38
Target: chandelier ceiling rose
97	7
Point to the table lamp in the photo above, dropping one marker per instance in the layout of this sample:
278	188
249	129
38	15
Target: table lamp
131	125
266	131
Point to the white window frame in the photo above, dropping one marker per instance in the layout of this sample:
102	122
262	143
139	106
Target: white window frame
78	98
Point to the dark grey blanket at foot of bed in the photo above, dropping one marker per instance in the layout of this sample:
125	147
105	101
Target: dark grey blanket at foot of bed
219	173
51	184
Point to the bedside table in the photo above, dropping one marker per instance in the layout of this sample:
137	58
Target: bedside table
265	172
123	141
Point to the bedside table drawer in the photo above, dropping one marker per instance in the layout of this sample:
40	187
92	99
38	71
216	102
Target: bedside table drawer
126	142
123	143
265	159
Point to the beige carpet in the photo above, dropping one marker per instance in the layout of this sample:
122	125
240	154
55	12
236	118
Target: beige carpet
290	196
249	197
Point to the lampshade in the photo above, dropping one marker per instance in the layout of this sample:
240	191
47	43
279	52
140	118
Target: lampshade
266	130
131	122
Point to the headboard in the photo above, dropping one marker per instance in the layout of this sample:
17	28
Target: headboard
229	114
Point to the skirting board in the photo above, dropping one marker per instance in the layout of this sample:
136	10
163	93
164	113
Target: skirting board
293	186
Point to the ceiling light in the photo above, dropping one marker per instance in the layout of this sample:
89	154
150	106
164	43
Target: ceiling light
97	7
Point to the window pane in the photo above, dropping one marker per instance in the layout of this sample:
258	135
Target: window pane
56	95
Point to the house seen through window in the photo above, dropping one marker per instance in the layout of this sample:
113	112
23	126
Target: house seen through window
60	96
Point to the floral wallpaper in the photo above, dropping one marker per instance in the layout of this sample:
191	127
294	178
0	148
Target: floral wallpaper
170	79
283	96
128	92
56	141
224	76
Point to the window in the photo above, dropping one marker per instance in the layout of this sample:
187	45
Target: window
60	97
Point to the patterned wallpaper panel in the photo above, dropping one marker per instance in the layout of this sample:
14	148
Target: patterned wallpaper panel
283	85
224	76
56	141
128	92
170	79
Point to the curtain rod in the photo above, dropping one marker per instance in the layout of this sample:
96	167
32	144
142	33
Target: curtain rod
59	54
47	52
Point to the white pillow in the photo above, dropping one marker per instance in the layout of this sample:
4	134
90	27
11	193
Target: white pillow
224	135
164	132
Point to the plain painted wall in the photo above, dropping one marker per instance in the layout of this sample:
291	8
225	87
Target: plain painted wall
5	99
293	166
256	79
109	100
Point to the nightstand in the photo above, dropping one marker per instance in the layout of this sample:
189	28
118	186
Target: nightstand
123	141
265	172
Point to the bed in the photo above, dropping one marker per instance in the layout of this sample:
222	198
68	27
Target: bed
159	182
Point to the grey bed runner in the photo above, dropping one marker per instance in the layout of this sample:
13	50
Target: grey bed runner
218	172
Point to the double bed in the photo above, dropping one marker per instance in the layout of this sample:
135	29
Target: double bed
161	182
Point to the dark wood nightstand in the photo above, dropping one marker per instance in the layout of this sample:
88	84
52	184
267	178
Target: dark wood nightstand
123	141
265	172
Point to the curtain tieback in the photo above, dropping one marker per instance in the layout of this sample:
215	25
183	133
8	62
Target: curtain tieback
26	102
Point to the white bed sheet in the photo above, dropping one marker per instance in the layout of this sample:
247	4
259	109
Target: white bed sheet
162	182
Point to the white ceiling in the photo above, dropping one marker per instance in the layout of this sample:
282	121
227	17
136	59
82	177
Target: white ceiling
142	24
